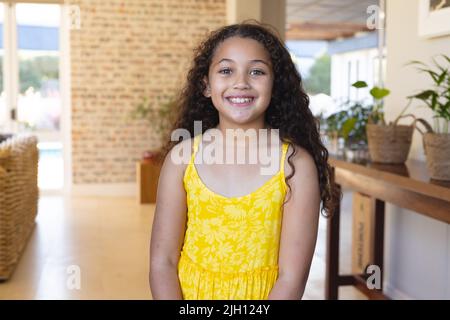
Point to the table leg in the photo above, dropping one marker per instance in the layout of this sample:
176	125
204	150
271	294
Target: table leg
378	252
332	255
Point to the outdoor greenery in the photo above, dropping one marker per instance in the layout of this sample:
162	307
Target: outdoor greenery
34	72
437	98
318	80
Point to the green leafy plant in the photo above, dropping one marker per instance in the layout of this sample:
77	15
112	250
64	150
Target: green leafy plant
437	98
378	94
159	112
350	123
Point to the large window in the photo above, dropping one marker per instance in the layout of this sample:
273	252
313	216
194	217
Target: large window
39	101
30	98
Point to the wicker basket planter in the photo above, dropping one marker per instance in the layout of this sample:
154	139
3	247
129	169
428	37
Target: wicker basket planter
436	142
437	150
389	144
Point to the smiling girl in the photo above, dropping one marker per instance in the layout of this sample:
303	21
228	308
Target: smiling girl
226	231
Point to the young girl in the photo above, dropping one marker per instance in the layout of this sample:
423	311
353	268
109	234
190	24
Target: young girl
226	231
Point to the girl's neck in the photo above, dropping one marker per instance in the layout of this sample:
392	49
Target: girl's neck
239	140
255	125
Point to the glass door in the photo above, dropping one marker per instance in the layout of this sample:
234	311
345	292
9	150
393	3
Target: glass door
33	100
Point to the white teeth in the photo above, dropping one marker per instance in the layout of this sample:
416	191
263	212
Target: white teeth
240	100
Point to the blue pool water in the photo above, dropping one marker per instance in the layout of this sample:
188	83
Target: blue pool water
51	166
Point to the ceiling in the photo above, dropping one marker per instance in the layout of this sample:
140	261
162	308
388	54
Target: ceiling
325	19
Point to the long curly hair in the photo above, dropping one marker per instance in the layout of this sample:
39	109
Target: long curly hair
288	110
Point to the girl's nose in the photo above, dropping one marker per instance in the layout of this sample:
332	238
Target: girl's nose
241	83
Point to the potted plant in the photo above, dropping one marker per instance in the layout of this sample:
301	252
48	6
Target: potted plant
436	139
160	115
349	124
388	143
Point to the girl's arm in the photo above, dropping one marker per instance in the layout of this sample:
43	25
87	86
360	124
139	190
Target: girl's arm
168	231
299	228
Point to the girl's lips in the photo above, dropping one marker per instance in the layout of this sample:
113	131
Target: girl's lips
240	101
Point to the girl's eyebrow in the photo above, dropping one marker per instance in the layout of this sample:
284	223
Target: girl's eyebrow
259	60
251	61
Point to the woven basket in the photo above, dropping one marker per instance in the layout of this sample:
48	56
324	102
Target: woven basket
18	198
389	144
437	148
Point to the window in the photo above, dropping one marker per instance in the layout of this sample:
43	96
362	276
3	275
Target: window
39	100
30	98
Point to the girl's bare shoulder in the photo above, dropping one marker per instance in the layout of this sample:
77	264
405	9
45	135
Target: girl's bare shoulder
302	160
178	157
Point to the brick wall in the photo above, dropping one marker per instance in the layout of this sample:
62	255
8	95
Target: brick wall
126	50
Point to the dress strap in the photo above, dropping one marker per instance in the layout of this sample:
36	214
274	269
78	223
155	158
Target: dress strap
284	150
196	142
195	147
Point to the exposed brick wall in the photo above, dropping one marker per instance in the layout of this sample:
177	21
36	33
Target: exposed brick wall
123	51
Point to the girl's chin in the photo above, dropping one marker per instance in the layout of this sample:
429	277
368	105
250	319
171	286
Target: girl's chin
240	117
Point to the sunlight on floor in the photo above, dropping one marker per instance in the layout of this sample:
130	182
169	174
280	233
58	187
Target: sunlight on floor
51	166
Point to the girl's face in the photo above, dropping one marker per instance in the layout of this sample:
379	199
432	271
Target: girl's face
240	80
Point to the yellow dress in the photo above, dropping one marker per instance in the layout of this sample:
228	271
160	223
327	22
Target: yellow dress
231	244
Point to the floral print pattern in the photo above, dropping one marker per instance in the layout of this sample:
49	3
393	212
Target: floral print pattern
230	249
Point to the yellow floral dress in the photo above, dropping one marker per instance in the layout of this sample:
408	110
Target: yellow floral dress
231	244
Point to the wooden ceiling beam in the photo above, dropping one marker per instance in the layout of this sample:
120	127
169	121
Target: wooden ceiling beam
322	31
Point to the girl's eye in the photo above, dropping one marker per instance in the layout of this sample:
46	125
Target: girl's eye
257	72
225	71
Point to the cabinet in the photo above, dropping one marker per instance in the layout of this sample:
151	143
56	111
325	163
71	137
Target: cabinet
147	175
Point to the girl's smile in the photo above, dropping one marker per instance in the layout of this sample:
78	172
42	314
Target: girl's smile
240	100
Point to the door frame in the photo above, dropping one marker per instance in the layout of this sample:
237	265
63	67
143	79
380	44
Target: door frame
11	86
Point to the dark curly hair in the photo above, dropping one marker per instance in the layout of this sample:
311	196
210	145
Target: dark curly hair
288	110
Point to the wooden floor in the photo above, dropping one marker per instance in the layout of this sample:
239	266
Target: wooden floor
108	240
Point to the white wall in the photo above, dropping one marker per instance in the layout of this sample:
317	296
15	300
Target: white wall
349	67
417	247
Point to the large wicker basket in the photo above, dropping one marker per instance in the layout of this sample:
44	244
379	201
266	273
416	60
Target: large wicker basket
18	198
389	144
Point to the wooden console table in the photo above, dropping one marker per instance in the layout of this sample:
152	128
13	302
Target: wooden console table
408	186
